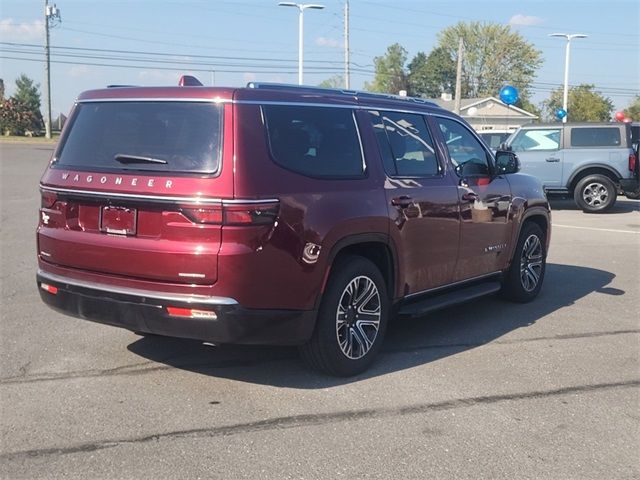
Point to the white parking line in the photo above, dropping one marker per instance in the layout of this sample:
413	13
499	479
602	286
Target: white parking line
597	229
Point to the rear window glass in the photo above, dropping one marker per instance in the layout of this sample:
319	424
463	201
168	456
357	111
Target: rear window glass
314	141
595	137
149	136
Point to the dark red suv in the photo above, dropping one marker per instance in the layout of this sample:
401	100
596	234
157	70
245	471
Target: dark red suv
277	214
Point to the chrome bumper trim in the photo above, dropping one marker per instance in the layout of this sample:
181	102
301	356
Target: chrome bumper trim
135	292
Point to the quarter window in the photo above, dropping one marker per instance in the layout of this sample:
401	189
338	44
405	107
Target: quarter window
405	144
467	154
314	141
595	137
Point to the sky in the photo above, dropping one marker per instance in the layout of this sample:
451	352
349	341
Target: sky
228	43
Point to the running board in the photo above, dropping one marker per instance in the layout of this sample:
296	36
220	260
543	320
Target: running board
456	297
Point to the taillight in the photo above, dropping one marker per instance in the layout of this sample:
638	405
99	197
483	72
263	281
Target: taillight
250	214
210	216
233	214
633	162
48	199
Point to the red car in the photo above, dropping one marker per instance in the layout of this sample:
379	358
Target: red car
279	214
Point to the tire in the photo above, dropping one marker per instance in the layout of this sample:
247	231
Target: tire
342	344
523	280
595	194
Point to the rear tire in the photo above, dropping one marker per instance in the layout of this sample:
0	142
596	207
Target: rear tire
595	194
523	280
352	319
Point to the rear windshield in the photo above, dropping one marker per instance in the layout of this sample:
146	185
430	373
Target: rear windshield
148	136
595	137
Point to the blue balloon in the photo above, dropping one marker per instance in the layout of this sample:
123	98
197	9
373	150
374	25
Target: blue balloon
561	113
509	94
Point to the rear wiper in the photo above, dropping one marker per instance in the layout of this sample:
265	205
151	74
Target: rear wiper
124	158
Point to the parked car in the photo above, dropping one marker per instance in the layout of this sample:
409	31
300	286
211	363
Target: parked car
594	162
495	138
280	215
635	134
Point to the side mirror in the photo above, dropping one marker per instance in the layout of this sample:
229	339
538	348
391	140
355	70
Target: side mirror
507	162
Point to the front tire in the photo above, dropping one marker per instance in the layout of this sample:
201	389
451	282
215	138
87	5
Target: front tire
595	194
352	319
523	280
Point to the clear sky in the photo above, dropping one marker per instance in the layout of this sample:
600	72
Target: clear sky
139	41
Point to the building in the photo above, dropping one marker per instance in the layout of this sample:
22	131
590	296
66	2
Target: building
488	113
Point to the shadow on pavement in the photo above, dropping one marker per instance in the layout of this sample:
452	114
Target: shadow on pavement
408	342
623	205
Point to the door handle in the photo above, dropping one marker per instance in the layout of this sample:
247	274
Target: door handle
470	197
402	202
552	159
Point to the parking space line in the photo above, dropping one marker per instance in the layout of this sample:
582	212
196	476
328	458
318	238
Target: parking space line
597	229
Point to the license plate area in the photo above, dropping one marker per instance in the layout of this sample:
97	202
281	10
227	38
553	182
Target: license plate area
118	220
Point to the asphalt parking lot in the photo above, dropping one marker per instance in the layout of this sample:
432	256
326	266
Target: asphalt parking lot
490	389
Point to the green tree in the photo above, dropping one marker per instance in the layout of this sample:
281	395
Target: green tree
390	74
633	110
493	55
16	118
525	104
431	75
336	81
27	96
584	104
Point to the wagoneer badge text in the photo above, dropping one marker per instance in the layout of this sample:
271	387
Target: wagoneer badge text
103	180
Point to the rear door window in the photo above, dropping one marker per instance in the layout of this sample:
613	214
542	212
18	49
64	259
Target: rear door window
147	136
595	137
405	144
314	141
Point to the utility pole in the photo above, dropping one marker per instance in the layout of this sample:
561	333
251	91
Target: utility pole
456	103
347	80
51	14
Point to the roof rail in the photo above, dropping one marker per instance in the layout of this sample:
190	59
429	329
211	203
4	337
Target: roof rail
120	86
338	91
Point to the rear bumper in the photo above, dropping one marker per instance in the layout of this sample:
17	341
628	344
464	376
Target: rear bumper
146	311
630	186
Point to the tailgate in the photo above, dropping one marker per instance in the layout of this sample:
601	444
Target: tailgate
164	242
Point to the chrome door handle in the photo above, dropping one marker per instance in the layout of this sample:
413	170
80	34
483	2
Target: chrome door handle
552	159
402	202
470	197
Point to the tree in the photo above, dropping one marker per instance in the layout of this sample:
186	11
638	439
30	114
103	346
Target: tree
633	110
337	81
525	104
390	76
16	118
493	55
431	75
584	104
27	96
20	114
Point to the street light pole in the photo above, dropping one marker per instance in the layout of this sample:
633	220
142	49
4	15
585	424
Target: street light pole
301	8
567	54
